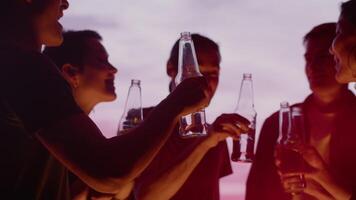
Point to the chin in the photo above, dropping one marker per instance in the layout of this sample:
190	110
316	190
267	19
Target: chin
343	79
54	42
110	97
53	38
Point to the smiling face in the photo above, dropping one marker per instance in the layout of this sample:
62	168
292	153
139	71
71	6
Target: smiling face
96	79
46	25
344	51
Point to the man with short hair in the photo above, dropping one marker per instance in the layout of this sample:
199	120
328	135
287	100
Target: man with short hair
329	134
184	169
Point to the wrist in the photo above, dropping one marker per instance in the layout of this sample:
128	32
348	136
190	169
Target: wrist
335	189
170	107
172	104
208	143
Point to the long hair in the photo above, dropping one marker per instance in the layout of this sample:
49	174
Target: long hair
17	16
348	10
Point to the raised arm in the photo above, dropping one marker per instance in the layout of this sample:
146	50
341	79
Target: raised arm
169	182
107	164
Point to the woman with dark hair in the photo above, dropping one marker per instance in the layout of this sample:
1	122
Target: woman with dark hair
40	123
344	45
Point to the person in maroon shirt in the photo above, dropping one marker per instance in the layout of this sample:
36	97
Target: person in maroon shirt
330	137
183	169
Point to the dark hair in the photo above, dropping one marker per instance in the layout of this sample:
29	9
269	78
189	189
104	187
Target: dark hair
201	44
16	17
74	48
348	10
326	30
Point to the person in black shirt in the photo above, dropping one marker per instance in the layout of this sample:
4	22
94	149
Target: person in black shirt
189	168
40	122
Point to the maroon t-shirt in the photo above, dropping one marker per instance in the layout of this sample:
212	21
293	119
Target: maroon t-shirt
203	183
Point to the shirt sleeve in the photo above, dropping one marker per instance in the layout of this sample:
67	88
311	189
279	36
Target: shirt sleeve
263	181
36	91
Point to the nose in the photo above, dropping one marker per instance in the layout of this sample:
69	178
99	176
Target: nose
65	4
112	69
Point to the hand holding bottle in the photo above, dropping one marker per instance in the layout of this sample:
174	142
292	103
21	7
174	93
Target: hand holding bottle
226	125
191	95
319	182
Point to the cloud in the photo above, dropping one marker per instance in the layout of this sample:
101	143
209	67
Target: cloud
75	22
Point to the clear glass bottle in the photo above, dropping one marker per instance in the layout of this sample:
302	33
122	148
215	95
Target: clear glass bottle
291	135
194	124
133	114
285	122
243	150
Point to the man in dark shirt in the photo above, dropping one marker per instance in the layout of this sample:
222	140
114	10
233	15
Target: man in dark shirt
329	123
186	183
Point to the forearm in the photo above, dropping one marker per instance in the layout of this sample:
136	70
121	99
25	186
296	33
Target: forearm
143	143
172	180
106	164
326	181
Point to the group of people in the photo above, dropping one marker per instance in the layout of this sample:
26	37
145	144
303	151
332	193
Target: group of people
51	149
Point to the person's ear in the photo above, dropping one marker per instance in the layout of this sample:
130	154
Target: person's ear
71	74
171	69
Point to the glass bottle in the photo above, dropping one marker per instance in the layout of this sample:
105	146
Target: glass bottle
194	124
133	114
291	135
243	150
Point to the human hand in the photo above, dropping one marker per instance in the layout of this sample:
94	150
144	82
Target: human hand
290	165
226	125
316	174
191	95
294	184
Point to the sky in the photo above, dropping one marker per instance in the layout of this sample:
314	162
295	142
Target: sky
260	37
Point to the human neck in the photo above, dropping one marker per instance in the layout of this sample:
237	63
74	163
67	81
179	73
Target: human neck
325	99
25	43
86	104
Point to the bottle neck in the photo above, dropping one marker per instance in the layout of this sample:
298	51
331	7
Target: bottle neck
187	63
284	124
246	100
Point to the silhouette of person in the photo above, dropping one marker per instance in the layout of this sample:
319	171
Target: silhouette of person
189	168
344	44
329	129
83	61
40	122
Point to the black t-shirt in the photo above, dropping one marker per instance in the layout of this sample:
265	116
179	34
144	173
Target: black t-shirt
33	95
203	182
